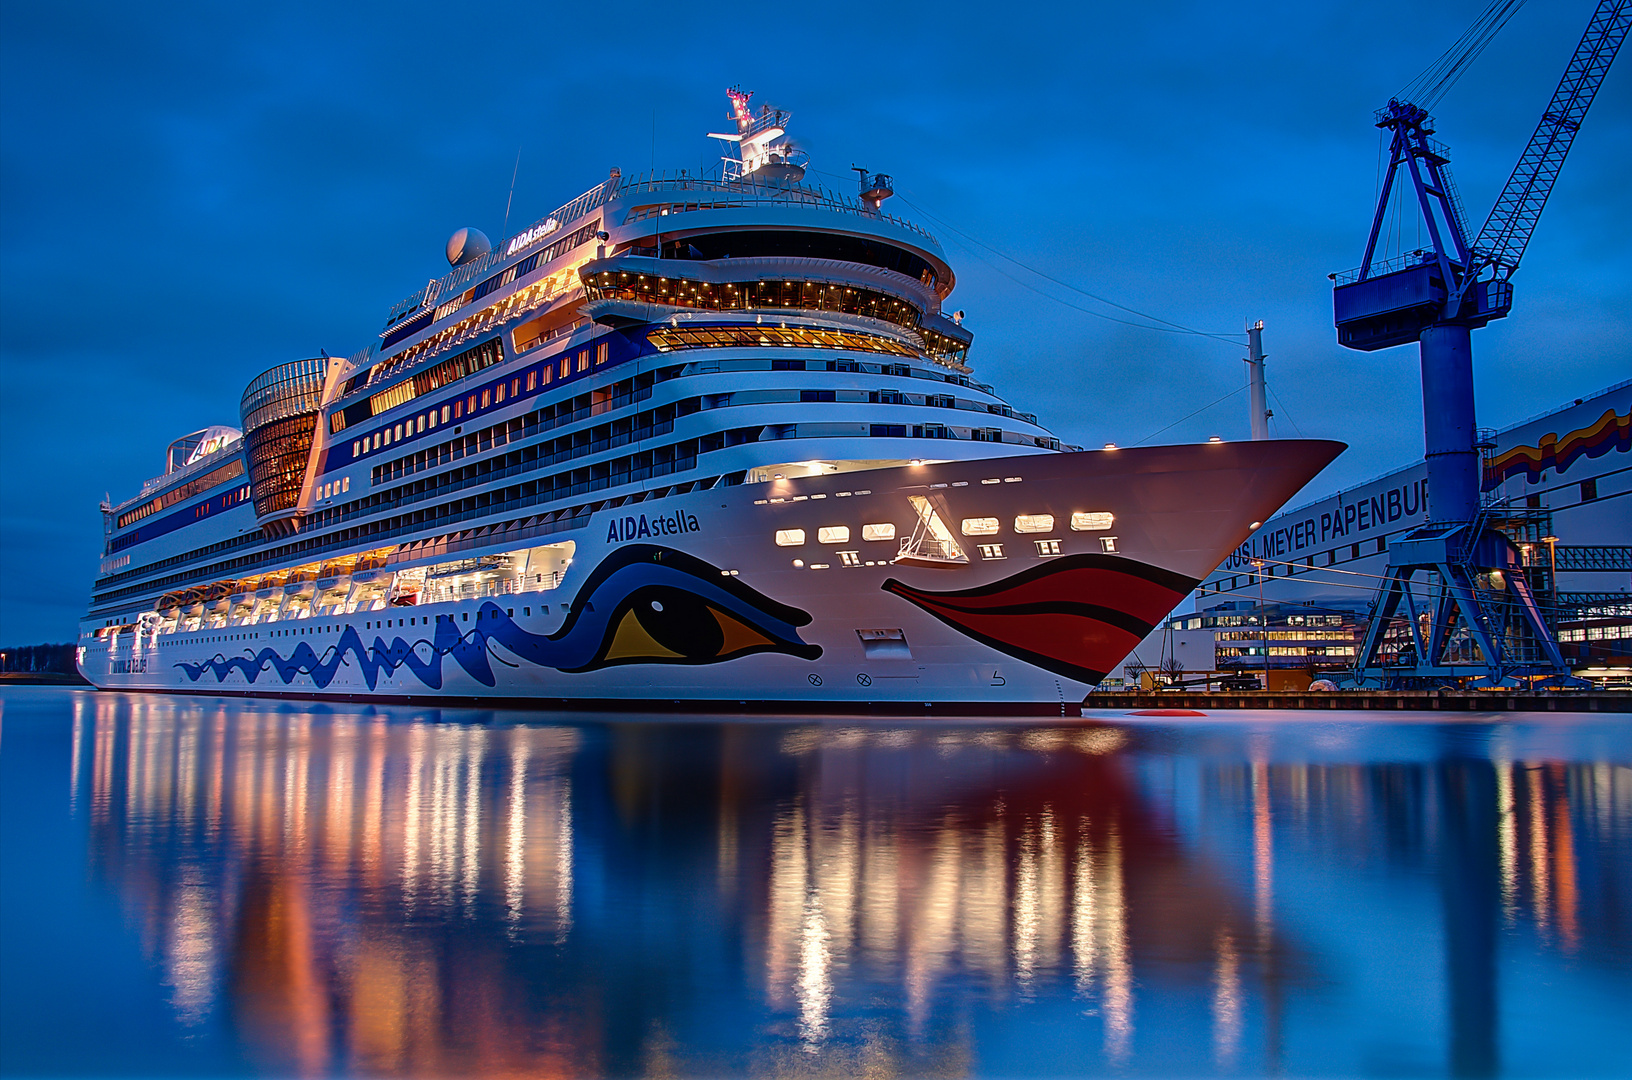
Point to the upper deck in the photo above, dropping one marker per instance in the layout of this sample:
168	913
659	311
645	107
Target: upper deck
629	200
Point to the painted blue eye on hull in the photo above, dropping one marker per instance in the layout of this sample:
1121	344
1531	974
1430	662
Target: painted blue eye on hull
643	604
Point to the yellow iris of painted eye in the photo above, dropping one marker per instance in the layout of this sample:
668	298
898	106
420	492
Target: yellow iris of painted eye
632	641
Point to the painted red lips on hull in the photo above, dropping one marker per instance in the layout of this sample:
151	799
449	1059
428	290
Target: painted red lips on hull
1076	616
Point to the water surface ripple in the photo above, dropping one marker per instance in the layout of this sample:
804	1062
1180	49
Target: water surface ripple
196	886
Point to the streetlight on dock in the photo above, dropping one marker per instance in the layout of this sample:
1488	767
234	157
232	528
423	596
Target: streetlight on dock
1263	621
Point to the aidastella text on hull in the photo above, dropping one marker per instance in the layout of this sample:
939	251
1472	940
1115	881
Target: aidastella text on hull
685	440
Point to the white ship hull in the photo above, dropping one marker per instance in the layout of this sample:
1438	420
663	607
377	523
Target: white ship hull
692	602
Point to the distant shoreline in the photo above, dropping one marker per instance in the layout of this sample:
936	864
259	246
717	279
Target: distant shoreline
41	678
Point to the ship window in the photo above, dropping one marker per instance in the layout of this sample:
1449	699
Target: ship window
376	440
1048	547
583	359
1107	544
833	534
498	394
1034	523
566	366
979	526
603	352
1091	522
433	417
487	398
884	531
420	426
356	448
532	381
445	411
515	386
549	374
790	537
345	484
992	551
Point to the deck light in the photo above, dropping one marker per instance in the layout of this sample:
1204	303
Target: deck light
1110	446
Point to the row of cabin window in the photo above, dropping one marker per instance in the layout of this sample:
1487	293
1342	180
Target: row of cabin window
1024	523
835	534
493	395
336	487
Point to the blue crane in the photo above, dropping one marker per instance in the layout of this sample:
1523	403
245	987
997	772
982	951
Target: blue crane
1437	296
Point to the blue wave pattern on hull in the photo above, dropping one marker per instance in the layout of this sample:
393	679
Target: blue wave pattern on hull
642	605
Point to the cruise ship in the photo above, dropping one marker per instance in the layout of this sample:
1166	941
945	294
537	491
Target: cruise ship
687	441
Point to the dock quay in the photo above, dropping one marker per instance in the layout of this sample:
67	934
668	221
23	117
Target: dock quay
1604	701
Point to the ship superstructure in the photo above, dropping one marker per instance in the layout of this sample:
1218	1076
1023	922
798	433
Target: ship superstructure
683	439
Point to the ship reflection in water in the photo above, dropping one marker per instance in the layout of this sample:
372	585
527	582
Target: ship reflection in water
334	889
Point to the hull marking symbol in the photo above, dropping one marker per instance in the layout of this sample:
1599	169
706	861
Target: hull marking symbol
642	605
1076	616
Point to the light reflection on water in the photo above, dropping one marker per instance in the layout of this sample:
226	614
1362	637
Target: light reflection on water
325	889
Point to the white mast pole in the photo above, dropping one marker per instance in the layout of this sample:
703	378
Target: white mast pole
1255	381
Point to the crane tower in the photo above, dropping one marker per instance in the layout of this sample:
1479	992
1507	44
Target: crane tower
1474	614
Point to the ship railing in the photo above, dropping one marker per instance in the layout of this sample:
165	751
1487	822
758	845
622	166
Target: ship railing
1420	257
203	465
747	193
730	195
461	276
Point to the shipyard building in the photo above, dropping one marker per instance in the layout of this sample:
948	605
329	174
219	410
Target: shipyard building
1292	603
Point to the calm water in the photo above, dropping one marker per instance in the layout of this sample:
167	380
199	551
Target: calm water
194	886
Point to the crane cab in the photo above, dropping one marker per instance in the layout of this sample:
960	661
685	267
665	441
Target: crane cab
1391	308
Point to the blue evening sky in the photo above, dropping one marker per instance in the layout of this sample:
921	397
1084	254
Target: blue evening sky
190	194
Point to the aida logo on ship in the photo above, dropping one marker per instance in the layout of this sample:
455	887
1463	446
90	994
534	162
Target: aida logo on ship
536	233
619	530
